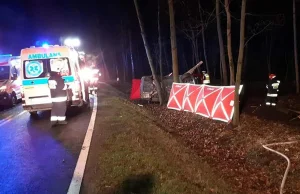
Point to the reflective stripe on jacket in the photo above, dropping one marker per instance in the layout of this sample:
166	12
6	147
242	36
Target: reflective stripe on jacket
59	99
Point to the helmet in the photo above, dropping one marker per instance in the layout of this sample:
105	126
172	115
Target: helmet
271	76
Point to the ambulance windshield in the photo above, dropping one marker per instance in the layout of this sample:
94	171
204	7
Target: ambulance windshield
4	73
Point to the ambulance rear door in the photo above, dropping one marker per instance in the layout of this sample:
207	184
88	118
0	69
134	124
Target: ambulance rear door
35	82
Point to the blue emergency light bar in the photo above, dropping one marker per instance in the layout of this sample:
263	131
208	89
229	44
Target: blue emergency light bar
45	45
7	55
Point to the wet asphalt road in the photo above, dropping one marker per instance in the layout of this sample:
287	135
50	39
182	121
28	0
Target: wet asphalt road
35	158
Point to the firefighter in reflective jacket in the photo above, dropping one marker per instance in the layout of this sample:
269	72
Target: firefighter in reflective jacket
59	98
206	79
272	87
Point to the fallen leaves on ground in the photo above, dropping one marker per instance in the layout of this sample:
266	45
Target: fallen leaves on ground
237	152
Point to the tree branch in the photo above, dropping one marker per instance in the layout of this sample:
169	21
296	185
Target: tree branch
255	34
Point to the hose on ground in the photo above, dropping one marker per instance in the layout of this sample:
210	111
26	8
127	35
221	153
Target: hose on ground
287	159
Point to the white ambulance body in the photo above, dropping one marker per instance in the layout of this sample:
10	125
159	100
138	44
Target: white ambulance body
10	83
37	65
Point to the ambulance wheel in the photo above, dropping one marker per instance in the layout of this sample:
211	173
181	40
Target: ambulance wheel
13	100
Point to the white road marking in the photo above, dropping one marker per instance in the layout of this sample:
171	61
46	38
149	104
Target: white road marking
11	117
75	185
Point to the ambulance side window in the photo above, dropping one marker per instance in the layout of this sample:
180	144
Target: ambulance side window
14	73
62	64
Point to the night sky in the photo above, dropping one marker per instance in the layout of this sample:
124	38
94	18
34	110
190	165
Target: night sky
99	24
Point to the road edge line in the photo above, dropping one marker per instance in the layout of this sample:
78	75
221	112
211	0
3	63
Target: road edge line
77	178
10	118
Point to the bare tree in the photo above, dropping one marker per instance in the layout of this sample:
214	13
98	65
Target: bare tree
103	61
236	118
267	23
221	45
173	42
150	60
295	47
269	56
100	55
204	26
229	47
131	55
192	30
124	50
166	57
159	42
193	27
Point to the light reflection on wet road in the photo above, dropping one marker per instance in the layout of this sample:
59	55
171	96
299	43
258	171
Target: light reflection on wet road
35	158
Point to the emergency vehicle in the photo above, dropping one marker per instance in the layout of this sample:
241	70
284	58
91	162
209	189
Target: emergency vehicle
10	84
37	65
89	69
93	78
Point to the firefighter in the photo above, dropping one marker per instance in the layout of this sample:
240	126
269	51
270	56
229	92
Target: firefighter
59	98
272	87
206	79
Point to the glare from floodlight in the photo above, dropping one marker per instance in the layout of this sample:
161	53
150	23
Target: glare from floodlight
76	42
73	42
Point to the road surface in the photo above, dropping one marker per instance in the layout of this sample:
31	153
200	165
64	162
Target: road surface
35	158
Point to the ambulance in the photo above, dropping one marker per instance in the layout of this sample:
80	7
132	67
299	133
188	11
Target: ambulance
10	83
38	63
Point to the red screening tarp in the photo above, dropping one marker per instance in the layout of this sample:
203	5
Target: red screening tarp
135	90
215	102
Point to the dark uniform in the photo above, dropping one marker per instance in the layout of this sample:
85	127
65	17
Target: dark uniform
272	94
59	99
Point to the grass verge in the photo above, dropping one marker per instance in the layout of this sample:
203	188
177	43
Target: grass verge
130	154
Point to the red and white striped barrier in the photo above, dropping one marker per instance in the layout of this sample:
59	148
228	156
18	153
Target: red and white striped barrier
215	102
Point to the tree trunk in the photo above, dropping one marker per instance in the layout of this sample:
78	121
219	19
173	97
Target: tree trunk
159	41
124	66
197	50
160	51
173	42
169	69
117	72
236	116
203	38
185	61
107	76
295	47
147	48
131	56
244	69
124	52
221	44
193	52
287	67
229	44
